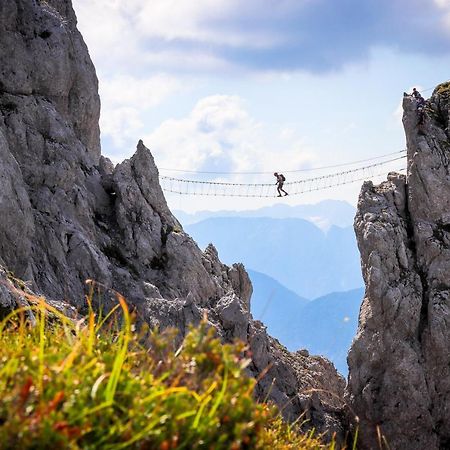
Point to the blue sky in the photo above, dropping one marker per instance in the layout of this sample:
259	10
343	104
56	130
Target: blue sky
261	85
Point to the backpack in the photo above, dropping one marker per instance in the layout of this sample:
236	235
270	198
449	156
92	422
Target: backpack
283	178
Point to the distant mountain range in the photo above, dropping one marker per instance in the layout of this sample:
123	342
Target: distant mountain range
323	214
327	325
324	326
295	252
275	305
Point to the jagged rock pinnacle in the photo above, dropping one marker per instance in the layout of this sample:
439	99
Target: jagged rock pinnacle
399	363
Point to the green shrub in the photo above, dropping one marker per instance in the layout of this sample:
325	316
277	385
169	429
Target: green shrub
93	385
443	88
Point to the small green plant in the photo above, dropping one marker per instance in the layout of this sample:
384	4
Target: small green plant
443	88
93	384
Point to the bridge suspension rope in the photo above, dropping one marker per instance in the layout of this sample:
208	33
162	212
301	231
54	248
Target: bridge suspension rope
266	190
308	169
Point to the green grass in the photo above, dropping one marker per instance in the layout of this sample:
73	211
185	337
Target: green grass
443	88
93	384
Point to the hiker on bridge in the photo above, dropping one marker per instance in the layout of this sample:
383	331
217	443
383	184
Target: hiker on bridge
280	181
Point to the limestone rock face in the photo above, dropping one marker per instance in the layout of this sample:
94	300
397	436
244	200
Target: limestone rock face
67	214
15	294
399	363
300	385
45	68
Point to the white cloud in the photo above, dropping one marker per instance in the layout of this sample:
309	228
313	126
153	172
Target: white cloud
183	61
144	93
172	19
258	35
197	21
220	135
397	116
111	39
125	102
125	34
444	5
121	125
180	35
287	133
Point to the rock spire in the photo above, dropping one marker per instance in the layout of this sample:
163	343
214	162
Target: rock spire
399	378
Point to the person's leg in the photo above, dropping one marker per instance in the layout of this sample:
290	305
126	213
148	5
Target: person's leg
279	190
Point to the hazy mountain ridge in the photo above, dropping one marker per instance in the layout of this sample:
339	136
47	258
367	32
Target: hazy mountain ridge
327	326
324	326
275	305
293	251
323	214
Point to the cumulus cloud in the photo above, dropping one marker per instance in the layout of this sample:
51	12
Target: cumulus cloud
316	35
111	40
126	100
134	45
138	92
444	6
121	126
220	135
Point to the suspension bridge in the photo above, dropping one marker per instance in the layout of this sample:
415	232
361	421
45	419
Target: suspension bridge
358	171
354	171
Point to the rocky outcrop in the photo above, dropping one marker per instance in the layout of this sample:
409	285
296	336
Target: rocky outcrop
399	379
301	385
69	215
16	295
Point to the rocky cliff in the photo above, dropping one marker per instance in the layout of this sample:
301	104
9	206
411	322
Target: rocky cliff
399	378
67	214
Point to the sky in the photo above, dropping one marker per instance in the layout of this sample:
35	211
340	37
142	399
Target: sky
261	85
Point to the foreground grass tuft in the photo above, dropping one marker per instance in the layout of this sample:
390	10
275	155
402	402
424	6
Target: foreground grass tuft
95	385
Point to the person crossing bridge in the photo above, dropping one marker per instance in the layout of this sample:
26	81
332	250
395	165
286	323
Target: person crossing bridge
280	182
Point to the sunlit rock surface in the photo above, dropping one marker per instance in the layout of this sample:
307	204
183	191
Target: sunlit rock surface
400	360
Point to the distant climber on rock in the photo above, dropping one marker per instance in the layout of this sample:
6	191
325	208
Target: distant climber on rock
280	181
416	94
420	102
420	108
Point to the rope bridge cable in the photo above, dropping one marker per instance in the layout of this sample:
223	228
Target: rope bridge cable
434	87
310	169
267	190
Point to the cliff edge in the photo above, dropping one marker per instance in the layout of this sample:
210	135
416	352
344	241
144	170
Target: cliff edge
399	379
